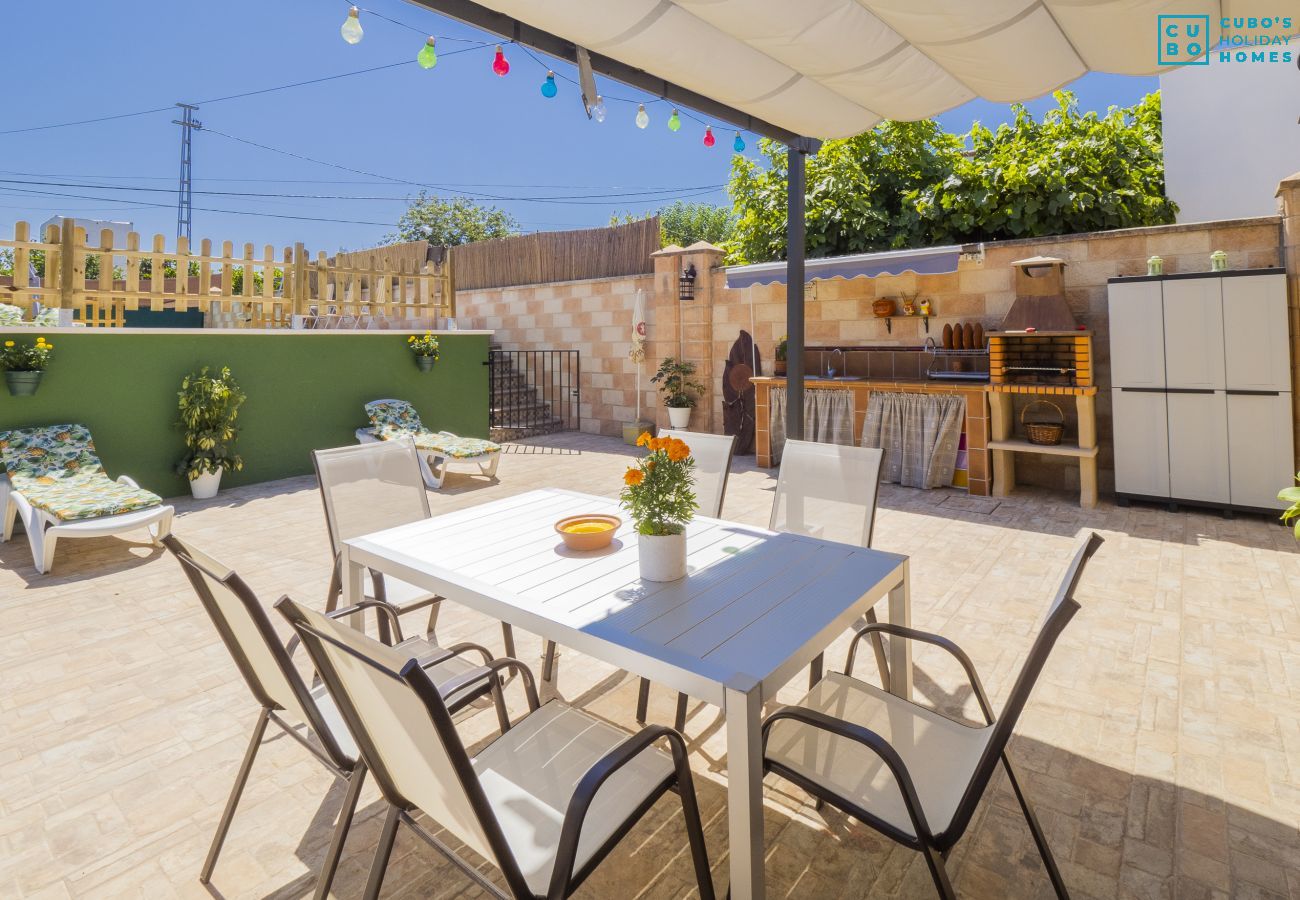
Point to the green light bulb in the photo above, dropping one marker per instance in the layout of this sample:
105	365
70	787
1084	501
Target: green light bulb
674	121
428	56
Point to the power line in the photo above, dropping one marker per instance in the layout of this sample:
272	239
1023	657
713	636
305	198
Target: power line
141	112
657	194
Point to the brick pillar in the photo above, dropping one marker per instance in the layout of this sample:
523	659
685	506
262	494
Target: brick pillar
684	328
1288	193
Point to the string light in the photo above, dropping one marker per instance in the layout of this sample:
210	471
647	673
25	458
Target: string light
709	139
598	110
351	29
642	117
675	121
549	89
428	56
738	144
500	64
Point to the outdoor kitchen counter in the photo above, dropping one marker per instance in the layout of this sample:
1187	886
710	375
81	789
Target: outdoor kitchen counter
976	426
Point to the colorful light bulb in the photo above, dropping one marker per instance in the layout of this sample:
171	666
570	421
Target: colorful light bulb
500	64
598	110
428	56
351	29
738	144
675	121
709	139
642	117
549	89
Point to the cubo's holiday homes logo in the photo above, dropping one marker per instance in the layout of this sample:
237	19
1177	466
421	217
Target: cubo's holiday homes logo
1184	40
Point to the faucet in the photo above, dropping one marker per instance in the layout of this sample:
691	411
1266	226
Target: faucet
831	368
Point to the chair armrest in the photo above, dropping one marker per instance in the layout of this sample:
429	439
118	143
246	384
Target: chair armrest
926	637
585	793
468	647
379	606
492	670
127	480
867	738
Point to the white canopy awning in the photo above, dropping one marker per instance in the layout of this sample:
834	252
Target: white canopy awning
833	68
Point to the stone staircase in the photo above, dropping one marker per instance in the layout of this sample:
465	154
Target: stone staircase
517	408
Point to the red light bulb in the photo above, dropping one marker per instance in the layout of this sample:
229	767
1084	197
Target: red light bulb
500	64
709	139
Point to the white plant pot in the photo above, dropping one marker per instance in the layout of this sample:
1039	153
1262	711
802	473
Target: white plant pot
205	486
679	416
662	556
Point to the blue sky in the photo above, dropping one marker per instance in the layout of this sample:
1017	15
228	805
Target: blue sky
457	125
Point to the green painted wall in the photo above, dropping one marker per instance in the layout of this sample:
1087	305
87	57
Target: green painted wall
305	391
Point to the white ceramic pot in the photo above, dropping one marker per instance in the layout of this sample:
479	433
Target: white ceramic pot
679	416
662	556
205	486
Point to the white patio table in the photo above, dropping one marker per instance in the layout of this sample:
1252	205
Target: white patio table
754	610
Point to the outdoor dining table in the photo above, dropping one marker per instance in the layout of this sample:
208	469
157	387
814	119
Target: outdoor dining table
755	608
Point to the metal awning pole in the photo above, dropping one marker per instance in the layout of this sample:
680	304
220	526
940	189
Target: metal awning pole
794	276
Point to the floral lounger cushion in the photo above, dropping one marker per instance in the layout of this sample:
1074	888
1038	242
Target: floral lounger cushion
55	468
397	418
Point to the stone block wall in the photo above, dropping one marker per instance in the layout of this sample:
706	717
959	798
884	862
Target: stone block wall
595	316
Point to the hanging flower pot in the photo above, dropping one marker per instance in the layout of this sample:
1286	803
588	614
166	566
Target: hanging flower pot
23	384
24	364
425	349
425	363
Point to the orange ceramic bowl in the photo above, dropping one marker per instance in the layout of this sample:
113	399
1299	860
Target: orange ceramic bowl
588	532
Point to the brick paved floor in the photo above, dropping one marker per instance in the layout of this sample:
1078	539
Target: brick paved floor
1162	747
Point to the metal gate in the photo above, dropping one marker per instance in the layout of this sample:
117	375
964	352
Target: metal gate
533	392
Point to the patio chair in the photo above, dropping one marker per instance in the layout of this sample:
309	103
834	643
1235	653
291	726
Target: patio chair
908	772
371	487
439	450
826	491
545	802
712	454
285	699
57	484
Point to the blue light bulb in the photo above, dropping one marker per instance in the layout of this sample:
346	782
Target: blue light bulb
549	89
738	144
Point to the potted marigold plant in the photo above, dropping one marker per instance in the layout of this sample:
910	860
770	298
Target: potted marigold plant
658	494
24	364
209	406
425	349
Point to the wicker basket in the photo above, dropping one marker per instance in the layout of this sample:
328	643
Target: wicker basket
1048	433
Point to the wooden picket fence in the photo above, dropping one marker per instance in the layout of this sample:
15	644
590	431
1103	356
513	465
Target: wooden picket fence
322	292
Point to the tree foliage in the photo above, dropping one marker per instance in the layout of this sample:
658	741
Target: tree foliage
683	223
909	184
452	222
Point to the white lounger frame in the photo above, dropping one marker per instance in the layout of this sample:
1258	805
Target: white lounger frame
44	529
434	466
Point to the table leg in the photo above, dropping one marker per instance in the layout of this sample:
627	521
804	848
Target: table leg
900	652
744	710
353	584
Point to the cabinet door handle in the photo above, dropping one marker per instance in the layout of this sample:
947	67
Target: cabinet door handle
1253	393
1129	390
1189	390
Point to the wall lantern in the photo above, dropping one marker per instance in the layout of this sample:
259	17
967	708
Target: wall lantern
686	283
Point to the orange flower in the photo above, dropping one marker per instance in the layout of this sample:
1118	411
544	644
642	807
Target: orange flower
655	444
633	476
678	451
643	438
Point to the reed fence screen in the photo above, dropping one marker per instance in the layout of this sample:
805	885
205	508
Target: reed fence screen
552	256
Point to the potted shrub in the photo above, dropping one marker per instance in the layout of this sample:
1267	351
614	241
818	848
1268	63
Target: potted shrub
209	406
778	367
24	364
674	380
425	349
1291	516
657	491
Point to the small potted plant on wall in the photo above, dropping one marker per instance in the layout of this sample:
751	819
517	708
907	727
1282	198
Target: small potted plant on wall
425	349
209	406
778	368
24	364
674	380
